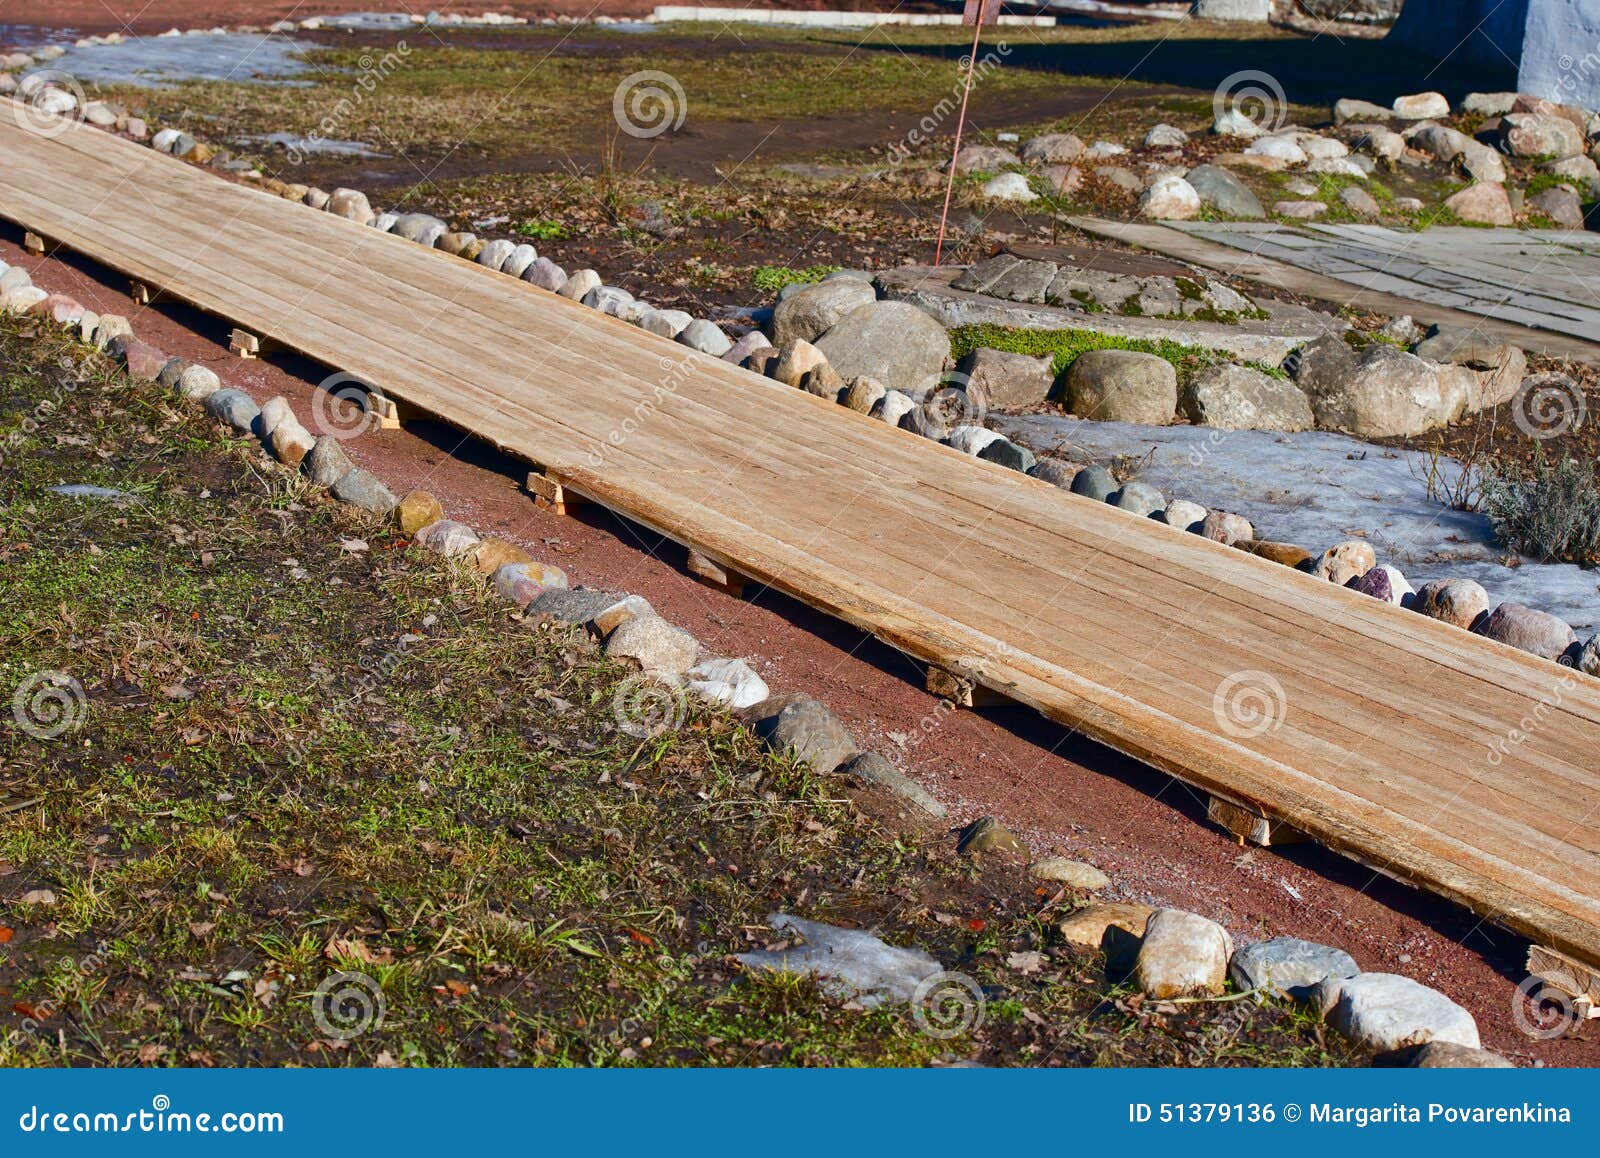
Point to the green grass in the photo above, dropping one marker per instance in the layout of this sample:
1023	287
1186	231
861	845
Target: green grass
296	758
772	278
1065	346
543	231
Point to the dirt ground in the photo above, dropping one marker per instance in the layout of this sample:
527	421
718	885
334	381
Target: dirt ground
1057	790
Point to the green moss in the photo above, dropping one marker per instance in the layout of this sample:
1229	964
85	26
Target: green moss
772	278
1066	346
543	230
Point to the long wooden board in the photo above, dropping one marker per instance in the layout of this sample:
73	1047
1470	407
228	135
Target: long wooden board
1430	753
1370	289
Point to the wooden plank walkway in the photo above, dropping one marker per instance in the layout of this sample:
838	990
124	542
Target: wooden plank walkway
1422	274
1548	280
1465	766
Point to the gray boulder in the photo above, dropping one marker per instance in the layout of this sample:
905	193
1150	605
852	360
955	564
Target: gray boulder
1238	398
806	730
875	769
1533	631
327	463
1052	149
364	489
1289	966
1008	454
234	407
423	228
1224	192
811	312
1122	386
1008	381
705	336
1139	498
577	605
660	649
1094	482
1391	394
893	342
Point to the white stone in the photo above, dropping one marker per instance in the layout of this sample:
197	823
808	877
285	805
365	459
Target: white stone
1009	187
1170	199
1181	954
1279	148
730	682
972	439
1385	1011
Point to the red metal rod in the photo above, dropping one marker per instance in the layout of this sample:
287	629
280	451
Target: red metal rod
961	120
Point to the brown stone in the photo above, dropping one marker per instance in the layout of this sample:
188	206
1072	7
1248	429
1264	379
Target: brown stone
986	834
493	554
1286	553
416	511
1115	929
144	361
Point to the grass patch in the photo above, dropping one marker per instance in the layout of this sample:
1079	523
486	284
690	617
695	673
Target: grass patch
772	278
543	231
304	751
1065	347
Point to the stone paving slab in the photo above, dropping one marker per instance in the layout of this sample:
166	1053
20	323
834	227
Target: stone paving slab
1268	340
1545	280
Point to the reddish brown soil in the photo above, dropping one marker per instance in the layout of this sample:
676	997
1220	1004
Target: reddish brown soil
1057	790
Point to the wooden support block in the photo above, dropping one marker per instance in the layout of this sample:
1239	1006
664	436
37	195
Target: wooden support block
963	691
548	493
248	345
37	245
1563	974
1250	824
139	292
713	575
390	413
